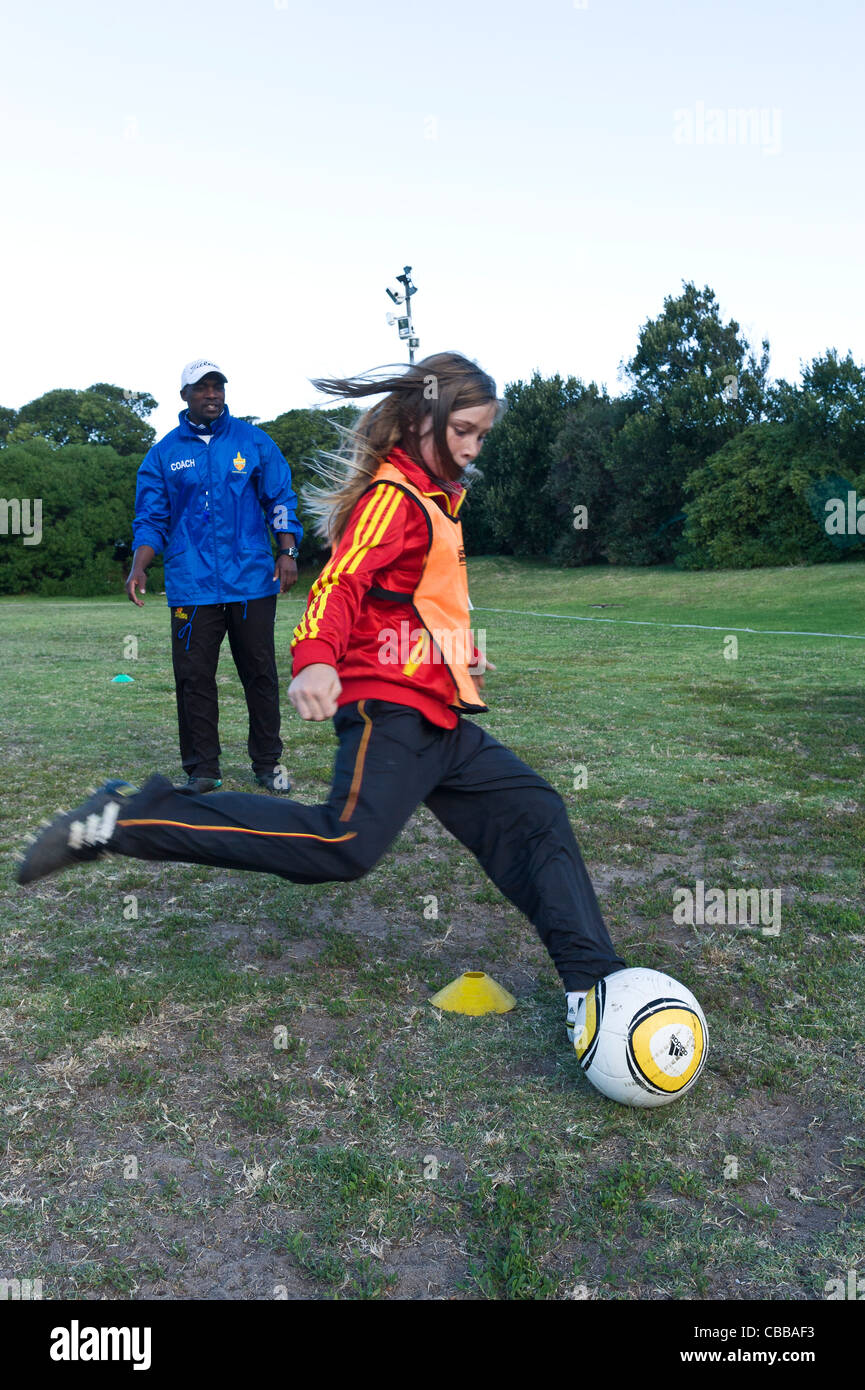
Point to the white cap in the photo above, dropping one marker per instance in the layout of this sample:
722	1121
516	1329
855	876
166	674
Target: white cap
194	371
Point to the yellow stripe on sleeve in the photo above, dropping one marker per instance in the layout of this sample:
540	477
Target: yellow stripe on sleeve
371	526
383	524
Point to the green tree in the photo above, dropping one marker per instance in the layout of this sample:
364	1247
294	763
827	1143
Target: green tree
301	435
826	408
7	421
580	477
508	507
67	416
695	384
753	503
87	496
141	402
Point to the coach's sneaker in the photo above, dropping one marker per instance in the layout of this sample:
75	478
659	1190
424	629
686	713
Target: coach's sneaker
276	782
576	1019
74	837
199	786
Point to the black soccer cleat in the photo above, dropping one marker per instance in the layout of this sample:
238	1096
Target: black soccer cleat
73	837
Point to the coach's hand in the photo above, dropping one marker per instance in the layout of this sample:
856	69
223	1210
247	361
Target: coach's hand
314	691
285	570
137	582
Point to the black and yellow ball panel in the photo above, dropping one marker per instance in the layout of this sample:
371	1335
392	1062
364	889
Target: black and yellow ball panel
645	1025
587	1043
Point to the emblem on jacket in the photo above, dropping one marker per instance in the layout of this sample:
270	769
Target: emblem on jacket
239	463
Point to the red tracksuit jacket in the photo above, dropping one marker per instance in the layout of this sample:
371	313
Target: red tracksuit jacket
384	545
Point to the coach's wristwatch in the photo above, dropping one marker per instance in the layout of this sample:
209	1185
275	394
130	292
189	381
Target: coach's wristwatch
290	550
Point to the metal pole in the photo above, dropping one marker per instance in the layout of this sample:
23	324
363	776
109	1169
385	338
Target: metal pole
407	270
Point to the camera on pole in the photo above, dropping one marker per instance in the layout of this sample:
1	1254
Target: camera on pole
403	321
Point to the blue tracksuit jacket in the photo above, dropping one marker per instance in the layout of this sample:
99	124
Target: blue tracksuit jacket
208	508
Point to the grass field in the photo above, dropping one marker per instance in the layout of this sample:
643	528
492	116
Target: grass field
242	1091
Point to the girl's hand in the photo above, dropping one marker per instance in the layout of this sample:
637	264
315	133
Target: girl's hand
483	664
314	691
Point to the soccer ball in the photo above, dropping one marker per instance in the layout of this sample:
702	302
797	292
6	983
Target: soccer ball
644	1040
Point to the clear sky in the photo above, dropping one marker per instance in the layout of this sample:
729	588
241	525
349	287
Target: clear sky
240	180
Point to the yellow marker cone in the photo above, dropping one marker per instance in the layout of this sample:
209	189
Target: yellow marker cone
474	993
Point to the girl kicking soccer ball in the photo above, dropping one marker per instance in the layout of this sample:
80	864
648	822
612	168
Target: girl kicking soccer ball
385	650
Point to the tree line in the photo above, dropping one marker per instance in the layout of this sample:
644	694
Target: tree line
702	462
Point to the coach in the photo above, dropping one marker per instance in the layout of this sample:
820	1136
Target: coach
206	494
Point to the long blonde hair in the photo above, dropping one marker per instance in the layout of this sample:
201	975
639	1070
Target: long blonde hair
438	385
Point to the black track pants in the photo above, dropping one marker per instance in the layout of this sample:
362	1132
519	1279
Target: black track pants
196	637
390	759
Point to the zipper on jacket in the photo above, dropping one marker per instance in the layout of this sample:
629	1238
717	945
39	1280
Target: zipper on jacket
212	509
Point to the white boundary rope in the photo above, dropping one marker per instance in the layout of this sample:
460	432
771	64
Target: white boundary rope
514	612
650	622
